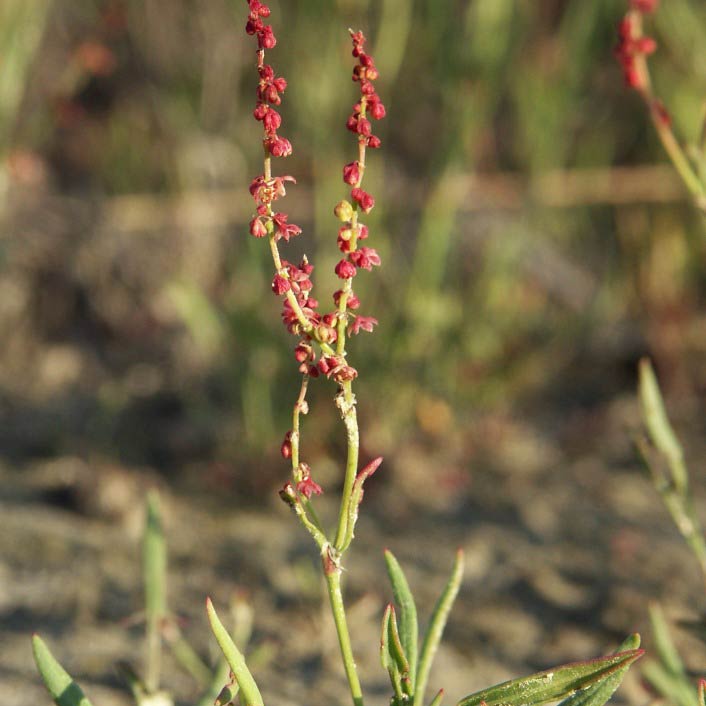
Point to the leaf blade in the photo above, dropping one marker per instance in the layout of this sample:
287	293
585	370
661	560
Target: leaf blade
409	628
437	623
248	688
552	684
63	689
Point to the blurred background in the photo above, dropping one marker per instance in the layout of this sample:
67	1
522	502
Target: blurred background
535	245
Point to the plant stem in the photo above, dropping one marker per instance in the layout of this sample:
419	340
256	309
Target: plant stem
332	571
346	403
662	125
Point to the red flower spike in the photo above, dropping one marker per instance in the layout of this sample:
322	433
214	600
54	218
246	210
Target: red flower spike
374	142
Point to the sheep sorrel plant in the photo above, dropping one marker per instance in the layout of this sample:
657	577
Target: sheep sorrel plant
321	351
633	48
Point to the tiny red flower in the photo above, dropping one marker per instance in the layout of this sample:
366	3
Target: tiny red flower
286	448
257	228
308	487
351	173
345	269
362	323
367	258
363	199
280	285
266	38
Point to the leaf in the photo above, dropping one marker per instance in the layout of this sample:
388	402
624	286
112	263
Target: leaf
553	684
63	689
409	629
659	427
437	623
248	688
598	694
437	699
384	639
394	645
664	644
154	561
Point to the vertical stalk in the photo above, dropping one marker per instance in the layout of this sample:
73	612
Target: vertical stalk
333	582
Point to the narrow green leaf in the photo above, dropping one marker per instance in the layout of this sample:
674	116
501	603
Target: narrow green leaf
395	645
552	684
63	689
667	652
436	627
598	694
659	427
248	688
154	561
676	689
409	629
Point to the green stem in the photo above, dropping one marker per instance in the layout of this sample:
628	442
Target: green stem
346	403
332	571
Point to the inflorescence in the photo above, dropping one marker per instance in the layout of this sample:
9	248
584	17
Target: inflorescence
322	336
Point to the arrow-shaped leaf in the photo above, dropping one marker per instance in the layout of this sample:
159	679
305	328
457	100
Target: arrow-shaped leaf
553	684
598	694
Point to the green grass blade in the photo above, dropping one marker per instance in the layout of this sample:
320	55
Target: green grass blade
553	684
248	688
63	689
598	694
409	629
436	627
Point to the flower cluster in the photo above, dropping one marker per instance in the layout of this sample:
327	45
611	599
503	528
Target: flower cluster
352	231
633	45
321	346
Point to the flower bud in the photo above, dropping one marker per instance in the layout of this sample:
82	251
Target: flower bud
345	269
325	334
343	211
351	173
